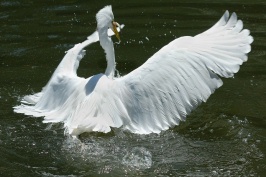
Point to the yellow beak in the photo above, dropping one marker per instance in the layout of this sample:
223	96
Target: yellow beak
115	30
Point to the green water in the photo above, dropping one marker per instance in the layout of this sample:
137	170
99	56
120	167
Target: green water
223	137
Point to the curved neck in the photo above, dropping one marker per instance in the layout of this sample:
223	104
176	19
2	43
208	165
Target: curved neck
108	47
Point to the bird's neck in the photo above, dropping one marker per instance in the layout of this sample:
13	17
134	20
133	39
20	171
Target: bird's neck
108	47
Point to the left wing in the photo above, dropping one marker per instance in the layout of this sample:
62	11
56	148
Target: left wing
63	84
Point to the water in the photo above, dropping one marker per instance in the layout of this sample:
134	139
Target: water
223	137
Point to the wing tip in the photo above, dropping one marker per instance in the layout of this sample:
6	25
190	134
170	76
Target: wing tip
250	39
226	15
234	15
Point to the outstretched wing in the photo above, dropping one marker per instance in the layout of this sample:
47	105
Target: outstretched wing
63	84
184	73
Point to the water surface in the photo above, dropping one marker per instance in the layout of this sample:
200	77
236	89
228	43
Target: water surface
223	137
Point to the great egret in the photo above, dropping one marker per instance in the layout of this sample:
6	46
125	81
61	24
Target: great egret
157	95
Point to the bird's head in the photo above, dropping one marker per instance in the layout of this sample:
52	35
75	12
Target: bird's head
105	19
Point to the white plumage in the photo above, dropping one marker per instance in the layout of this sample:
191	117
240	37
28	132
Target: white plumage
153	97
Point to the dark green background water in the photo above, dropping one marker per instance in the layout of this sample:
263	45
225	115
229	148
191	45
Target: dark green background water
223	137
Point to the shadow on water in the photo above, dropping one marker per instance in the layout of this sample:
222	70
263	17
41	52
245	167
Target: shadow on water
223	137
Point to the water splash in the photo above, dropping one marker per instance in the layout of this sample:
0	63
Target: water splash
139	158
107	155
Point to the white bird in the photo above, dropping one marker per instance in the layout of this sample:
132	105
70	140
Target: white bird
157	95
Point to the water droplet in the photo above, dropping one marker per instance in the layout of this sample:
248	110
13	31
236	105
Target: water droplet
245	140
214	172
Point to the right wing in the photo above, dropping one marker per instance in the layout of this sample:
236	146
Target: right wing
176	79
